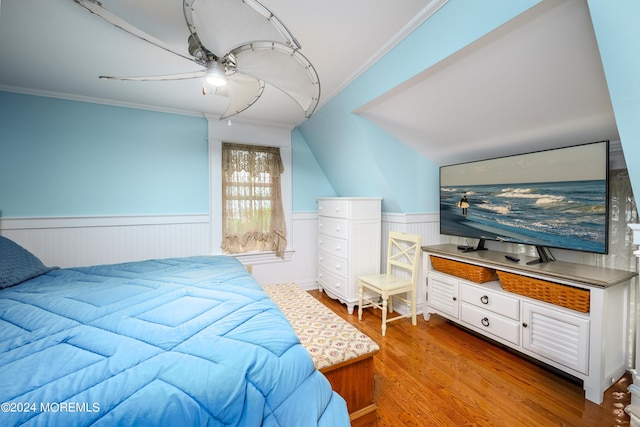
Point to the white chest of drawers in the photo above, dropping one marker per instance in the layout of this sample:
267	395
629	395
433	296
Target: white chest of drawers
349	231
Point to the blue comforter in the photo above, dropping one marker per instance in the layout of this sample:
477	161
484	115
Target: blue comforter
177	342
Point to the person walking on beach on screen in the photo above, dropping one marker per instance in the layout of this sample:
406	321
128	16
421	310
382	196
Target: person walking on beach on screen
464	204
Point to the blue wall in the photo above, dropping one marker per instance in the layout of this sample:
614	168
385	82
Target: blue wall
360	159
69	158
618	35
309	182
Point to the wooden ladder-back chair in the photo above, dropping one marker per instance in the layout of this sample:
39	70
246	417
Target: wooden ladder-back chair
403	257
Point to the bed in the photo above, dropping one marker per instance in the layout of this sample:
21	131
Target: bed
181	341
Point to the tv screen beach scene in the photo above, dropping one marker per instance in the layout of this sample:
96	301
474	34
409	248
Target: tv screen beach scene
555	198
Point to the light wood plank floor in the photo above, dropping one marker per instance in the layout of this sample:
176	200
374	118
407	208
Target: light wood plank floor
438	374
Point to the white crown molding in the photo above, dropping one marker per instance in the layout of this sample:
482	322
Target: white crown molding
422	16
80	98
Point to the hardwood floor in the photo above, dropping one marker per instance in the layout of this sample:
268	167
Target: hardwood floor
438	374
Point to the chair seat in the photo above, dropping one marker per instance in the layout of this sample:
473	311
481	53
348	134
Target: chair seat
385	282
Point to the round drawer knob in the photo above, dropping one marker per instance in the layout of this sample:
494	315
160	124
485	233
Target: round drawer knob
484	299
485	321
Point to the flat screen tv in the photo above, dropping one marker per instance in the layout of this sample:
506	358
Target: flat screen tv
550	199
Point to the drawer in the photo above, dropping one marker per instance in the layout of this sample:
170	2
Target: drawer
493	301
333	207
332	226
490	323
332	264
334	284
332	245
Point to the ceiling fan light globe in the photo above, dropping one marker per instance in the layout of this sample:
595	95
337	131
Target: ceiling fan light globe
217	81
215	76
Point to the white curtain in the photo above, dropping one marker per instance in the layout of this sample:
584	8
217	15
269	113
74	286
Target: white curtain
622	212
252	213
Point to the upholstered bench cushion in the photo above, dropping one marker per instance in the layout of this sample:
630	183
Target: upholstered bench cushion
329	339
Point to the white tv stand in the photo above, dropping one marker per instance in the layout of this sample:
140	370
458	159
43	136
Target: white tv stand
589	346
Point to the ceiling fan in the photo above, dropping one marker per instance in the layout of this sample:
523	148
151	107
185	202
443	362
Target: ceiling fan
239	45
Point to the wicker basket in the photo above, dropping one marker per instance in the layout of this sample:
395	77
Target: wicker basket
554	293
463	270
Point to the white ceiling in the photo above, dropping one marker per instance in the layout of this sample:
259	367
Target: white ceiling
534	83
57	47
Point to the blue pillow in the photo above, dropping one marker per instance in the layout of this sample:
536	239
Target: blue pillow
18	264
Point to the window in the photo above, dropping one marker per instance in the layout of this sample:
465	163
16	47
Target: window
252	214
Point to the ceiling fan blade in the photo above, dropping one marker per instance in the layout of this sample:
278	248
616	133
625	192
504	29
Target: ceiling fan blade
95	7
181	76
283	67
244	91
222	25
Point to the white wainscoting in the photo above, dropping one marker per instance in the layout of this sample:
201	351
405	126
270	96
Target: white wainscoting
82	241
301	267
424	224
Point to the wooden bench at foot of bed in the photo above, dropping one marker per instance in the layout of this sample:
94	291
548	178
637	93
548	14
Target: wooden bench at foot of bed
340	351
353	380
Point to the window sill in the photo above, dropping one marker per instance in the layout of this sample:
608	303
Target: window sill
253	258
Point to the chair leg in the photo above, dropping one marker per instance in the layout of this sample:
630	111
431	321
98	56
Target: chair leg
384	314
413	308
360	293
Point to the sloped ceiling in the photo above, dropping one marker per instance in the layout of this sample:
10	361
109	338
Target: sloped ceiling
535	83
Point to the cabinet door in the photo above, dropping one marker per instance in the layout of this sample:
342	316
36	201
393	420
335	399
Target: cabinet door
442	294
556	335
